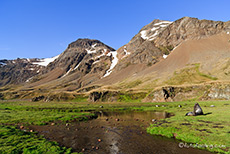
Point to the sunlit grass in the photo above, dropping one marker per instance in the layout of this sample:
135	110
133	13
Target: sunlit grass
210	129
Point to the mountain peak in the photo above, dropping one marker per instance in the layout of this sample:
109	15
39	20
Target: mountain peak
87	43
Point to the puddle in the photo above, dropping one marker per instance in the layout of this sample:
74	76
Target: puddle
114	133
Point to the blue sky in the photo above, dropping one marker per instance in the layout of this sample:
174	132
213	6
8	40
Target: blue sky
44	28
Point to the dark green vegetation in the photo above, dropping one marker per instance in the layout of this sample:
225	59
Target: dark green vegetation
210	129
15	141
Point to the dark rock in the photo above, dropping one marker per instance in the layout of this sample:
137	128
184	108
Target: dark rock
39	98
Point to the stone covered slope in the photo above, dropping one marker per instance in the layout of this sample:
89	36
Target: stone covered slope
18	71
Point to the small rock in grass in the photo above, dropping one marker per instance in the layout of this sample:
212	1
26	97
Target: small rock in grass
101	106
179	106
83	150
52	124
153	120
21	127
66	124
157	105
97	148
212	106
117	119
31	131
99	140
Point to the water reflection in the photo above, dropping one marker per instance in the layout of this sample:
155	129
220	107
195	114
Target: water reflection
113	132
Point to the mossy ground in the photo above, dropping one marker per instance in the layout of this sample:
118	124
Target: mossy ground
15	141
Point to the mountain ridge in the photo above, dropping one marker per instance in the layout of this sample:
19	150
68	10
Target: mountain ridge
93	65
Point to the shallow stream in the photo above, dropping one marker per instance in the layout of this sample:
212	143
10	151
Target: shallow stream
114	133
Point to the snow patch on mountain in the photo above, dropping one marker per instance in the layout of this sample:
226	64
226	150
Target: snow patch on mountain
152	37
93	46
163	22
92	50
46	61
77	65
29	79
67	72
143	35
126	52
114	63
150	34
154	28
1	63
165	56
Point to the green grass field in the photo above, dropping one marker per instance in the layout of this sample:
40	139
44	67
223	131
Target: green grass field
15	114
210	129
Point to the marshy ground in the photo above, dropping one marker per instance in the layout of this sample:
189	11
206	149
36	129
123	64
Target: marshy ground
66	127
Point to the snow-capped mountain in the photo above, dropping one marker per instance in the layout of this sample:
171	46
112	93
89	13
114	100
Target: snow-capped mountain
153	54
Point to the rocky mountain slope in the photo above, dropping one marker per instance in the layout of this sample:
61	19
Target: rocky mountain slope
159	38
83	62
18	71
184	52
